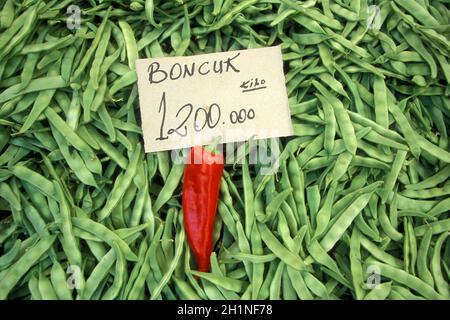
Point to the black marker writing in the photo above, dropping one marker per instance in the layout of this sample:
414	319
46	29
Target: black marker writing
157	74
191	117
253	85
230	65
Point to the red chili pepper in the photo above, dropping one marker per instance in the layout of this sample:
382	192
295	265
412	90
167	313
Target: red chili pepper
201	182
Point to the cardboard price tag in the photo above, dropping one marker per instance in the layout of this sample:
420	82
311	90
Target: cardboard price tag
236	95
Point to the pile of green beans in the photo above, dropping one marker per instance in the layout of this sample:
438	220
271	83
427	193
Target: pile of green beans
359	208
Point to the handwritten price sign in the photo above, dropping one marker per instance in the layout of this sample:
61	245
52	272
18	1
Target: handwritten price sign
237	95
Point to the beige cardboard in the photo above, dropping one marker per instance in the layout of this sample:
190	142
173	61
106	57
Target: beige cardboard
206	86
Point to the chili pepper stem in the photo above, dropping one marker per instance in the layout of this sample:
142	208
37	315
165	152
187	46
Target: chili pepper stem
212	146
